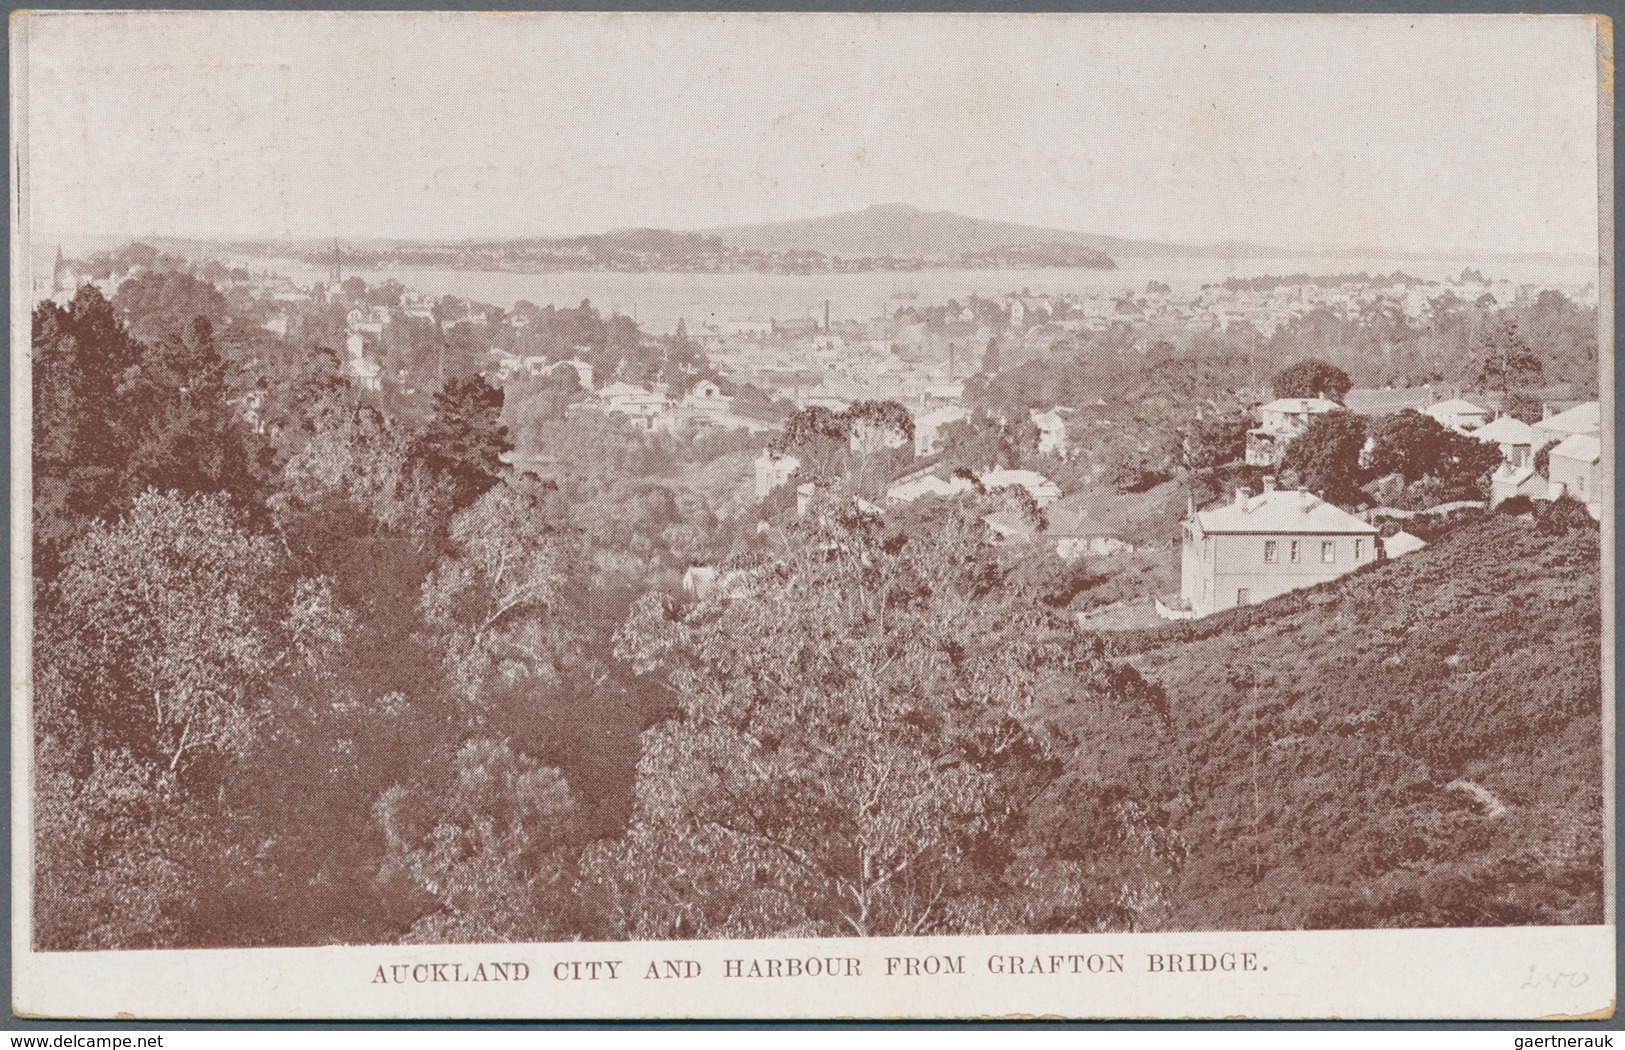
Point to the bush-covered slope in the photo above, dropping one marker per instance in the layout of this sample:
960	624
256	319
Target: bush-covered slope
1417	744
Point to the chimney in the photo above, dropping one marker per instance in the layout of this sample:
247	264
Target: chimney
1243	494
1545	410
1269	482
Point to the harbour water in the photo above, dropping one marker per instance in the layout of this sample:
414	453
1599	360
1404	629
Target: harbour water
657	299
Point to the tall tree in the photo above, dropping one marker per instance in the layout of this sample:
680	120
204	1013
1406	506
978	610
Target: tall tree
992	359
1503	356
1415	446
982	440
1214	441
1312	378
190	438
1405	443
489	845
158	305
875	429
819	438
81	423
463	444
1326	456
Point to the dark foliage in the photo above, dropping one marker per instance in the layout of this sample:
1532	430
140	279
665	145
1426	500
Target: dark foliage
464	442
1325	458
1312	378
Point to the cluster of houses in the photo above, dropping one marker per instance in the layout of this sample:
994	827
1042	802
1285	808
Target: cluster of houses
1262	545
1069	532
1571	438
704	405
1573	443
52	277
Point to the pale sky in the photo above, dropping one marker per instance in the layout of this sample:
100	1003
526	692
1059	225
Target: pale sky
1390	133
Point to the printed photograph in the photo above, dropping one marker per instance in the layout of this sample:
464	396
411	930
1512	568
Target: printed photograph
638	477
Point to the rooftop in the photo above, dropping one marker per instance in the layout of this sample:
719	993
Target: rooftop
1584	448
1508	430
1455	406
1297	405
1282	511
1581	419
1402	542
1030	480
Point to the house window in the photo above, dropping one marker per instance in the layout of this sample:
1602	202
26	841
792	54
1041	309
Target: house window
1580	483
1359	549
1296	552
1207	548
1270	553
1207	590
1328	550
1244	596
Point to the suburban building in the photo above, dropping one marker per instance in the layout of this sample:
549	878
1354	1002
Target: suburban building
1516	474
364	371
1575	470
907	490
1515	438
646	410
773	470
1280	421
1458	414
1068	531
1043	491
1260	546
1052	439
928	427
1584	418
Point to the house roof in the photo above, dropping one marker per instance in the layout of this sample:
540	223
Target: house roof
1402	542
621	390
1284	511
1583	448
1581	419
1312	405
1063	522
930	485
1508	430
939	416
1455	406
1030	480
1009	525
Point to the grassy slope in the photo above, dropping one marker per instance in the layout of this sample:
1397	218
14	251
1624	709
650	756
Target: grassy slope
1320	734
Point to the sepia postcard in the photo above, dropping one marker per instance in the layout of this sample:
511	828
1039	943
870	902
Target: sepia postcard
638	515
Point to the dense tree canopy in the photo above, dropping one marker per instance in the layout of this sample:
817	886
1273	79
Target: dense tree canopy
1325	458
858	751
464	442
1312	378
1418	448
